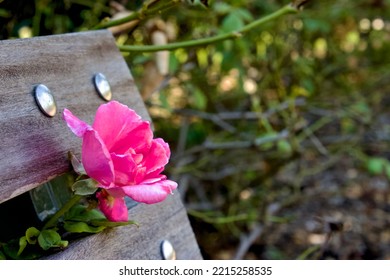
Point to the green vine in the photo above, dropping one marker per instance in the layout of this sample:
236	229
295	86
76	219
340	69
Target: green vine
288	9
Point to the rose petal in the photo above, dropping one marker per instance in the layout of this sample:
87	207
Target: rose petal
96	159
158	178
154	174
114	208
157	157
150	193
138	139
165	146
77	126
124	168
117	124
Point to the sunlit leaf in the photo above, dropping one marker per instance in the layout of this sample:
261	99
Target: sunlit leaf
83	214
106	223
375	165
63	243
48	239
31	235
244	15
284	147
232	22
222	7
80	227
22	245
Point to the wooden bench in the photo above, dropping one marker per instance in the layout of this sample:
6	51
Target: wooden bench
34	147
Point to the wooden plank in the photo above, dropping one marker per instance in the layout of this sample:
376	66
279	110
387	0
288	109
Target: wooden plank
163	221
34	147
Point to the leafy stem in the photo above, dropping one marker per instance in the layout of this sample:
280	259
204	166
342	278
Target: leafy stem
65	208
288	9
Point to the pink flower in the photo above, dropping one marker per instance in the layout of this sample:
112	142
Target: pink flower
119	152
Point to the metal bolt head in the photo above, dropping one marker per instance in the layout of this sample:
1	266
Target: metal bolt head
45	100
102	86
167	251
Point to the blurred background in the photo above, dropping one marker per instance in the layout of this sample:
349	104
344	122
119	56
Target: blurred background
280	137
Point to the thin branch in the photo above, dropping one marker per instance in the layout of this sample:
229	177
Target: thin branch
247	241
246	144
231	116
300	3
288	9
207	116
143	13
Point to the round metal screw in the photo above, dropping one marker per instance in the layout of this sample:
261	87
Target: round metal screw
45	100
167	250
102	86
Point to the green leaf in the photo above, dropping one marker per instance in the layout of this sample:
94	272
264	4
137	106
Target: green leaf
202	55
22	245
11	249
92	214
31	235
308	84
48	239
199	99
284	147
75	211
244	15
375	165
266	140
222	8
232	22
112	224
81	213
173	63
63	243
80	227
85	187
387	169
81	219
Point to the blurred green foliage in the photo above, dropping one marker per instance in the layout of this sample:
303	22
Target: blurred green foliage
250	120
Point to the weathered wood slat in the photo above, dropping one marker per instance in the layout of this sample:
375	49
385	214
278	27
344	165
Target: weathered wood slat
33	147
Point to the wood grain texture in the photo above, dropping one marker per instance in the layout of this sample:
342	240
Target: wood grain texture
34	147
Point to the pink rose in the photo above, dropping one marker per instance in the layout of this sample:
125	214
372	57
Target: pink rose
119	152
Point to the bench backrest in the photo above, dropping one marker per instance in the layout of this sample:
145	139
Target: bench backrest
34	147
